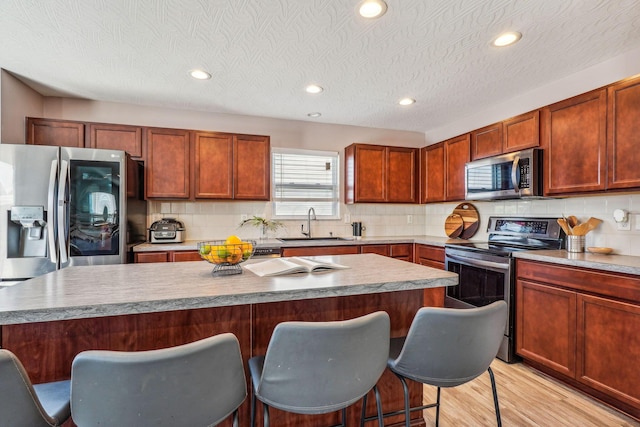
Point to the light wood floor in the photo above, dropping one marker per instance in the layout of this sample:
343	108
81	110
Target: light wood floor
527	398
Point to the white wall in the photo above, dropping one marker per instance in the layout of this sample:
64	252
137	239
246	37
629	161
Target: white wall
602	207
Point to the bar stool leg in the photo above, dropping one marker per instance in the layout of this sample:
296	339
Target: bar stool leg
495	397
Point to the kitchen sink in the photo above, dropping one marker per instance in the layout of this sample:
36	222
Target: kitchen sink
310	239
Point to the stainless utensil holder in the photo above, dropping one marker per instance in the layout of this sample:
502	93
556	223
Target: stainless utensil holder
575	244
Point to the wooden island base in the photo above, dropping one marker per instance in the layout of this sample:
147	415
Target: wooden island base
48	348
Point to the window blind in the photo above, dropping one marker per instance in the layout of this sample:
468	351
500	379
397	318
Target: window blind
305	179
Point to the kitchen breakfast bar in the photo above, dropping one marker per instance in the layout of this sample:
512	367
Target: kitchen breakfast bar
47	320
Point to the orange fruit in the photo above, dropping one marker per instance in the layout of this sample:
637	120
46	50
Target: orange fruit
234	254
233	240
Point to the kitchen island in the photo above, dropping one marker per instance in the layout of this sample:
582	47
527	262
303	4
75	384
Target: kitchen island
46	321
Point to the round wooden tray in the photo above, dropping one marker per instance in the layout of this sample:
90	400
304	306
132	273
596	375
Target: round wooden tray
599	250
453	225
470	218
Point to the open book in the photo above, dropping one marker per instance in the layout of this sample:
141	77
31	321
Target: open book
281	266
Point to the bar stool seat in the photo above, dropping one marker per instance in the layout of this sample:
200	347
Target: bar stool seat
321	367
23	404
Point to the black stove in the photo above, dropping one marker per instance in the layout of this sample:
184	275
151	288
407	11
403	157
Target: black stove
486	270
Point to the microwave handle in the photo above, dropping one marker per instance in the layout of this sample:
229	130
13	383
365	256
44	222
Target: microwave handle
514	174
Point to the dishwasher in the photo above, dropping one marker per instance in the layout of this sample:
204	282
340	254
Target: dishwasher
266	252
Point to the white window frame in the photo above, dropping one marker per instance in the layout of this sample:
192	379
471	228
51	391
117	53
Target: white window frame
335	200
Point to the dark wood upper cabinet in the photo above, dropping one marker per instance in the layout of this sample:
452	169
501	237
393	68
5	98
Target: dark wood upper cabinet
252	167
457	154
366	173
432	173
623	134
378	174
402	164
521	132
116	137
60	133
168	163
574	139
213	165
486	142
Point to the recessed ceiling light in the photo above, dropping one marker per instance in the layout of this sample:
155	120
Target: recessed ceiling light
314	115
506	39
314	89
372	8
407	101
200	74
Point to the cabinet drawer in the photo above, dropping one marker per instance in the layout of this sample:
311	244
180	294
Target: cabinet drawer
321	250
142	257
376	249
180	256
432	253
594	281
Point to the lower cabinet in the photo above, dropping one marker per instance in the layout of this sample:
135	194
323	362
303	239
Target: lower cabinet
321	250
402	251
431	256
581	326
166	256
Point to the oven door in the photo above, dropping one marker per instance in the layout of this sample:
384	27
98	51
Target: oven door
483	278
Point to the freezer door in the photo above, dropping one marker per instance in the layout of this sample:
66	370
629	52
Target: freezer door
28	179
92	206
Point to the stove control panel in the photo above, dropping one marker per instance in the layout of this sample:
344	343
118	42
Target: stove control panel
526	227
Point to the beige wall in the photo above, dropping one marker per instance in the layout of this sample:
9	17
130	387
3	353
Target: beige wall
17	101
284	133
598	75
213	220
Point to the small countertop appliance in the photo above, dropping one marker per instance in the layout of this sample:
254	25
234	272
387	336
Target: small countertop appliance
166	230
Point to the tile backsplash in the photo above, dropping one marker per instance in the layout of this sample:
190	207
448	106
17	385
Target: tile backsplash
215	220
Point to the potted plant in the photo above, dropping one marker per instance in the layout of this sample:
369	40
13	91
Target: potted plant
265	225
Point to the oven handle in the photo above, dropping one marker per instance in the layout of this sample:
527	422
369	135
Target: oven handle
480	263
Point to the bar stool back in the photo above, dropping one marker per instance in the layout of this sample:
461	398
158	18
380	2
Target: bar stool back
448	347
23	404
196	384
320	367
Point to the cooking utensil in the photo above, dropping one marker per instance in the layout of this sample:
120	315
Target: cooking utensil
568	223
572	221
587	226
565	227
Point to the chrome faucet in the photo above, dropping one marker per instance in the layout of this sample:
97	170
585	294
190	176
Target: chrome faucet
308	233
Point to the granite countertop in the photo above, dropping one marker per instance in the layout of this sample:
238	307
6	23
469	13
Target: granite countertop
614	263
108	290
192	245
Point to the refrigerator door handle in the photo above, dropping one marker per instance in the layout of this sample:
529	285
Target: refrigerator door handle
62	210
51	200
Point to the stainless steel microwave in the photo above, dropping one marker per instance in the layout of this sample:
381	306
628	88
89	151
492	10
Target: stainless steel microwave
508	176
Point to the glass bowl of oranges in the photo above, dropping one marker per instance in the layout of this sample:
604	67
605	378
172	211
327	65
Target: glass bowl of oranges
226	255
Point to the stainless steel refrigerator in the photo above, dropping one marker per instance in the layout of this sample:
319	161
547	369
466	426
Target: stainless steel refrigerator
63	206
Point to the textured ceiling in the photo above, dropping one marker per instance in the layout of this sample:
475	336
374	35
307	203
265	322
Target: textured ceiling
262	53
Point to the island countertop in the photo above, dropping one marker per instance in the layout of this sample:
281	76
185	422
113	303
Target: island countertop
108	290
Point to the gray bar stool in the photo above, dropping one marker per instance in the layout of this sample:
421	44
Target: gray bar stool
196	384
447	347
23	404
321	367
